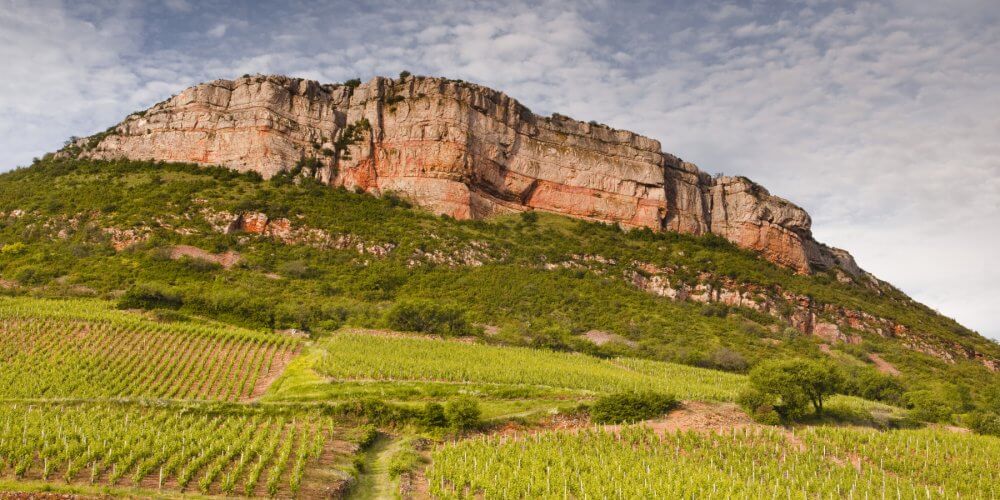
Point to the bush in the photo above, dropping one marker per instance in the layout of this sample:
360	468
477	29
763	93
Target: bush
150	296
433	416
353	83
462	413
982	422
870	384
377	411
428	317
631	407
935	403
727	359
760	406
16	248
715	309
403	75
795	384
529	217
298	269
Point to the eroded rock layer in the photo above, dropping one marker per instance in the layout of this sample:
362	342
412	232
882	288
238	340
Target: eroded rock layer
462	150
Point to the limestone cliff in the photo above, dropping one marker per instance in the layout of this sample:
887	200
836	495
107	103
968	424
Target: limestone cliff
463	150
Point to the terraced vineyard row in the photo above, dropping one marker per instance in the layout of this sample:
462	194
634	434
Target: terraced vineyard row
639	463
162	448
49	351
948	461
353	356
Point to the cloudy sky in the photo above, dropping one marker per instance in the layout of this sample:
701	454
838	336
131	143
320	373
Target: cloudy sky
882	119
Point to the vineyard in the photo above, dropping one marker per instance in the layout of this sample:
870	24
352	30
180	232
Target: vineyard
353	356
84	349
640	463
160	448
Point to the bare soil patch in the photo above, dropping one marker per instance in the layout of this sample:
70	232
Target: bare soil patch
278	364
883	365
225	259
700	416
598	337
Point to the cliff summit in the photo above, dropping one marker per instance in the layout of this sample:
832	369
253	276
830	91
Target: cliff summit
463	150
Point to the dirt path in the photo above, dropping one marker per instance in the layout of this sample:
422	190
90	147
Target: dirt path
883	365
374	481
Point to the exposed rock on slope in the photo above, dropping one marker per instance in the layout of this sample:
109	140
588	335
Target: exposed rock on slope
463	150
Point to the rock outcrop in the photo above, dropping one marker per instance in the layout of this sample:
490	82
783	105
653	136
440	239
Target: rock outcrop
463	150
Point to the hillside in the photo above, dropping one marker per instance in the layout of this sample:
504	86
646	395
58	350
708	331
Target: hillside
416	287
298	255
311	432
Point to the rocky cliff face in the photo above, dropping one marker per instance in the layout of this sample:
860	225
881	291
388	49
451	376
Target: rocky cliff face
462	150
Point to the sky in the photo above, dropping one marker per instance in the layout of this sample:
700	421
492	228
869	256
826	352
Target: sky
882	119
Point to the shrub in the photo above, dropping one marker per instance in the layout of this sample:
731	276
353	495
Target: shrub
433	416
16	248
553	337
353	83
298	269
983	422
403	75
631	407
462	413
715	309
870	384
796	383
760	406
529	217
377	411
935	403
150	296
428	317
727	359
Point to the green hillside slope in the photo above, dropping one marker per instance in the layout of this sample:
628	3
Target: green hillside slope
162	236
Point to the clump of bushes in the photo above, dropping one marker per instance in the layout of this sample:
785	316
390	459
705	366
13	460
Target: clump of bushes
870	384
631	407
149	296
937	402
724	358
426	316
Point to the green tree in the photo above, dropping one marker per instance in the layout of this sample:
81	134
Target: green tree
796	383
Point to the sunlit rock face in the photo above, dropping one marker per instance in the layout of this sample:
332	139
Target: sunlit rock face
463	150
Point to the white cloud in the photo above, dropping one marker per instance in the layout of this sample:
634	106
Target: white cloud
178	5
218	31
